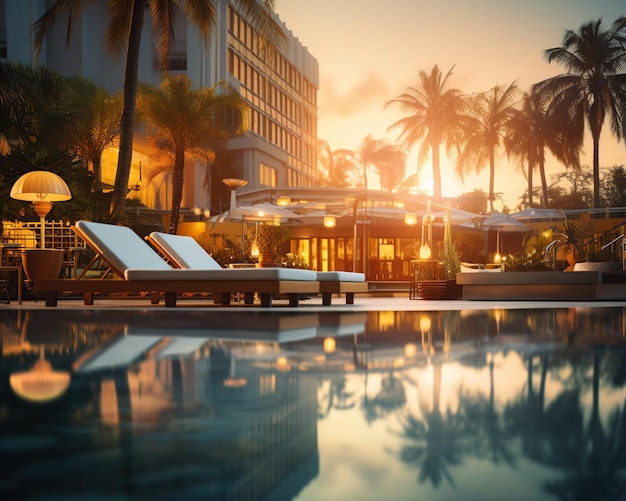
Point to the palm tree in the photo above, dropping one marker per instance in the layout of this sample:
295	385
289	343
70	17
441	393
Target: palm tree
390	166
434	113
486	127
337	167
187	124
97	122
593	88
368	154
530	132
124	32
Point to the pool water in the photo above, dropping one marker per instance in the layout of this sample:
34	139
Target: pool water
280	405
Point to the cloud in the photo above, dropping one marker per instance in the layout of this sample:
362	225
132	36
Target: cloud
365	93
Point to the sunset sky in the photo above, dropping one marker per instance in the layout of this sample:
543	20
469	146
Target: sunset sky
370	51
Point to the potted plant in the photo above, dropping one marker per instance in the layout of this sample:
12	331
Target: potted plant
571	242
439	282
269	240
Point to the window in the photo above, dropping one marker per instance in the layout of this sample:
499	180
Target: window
268	175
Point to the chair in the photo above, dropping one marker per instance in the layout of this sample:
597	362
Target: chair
139	268
185	252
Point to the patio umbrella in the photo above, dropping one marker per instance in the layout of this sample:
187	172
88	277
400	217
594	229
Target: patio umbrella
257	212
500	222
539	215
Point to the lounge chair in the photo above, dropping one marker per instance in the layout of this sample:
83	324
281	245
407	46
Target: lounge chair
139	268
184	252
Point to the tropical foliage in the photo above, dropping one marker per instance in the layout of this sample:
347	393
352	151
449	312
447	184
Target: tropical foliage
592	90
123	33
434	118
485	126
186	124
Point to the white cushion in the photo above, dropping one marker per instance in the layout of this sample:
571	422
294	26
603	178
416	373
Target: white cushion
598	266
185	251
250	274
340	276
121	246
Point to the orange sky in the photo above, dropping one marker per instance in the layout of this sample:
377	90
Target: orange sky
370	52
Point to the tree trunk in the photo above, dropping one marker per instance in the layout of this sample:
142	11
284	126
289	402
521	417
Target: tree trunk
177	198
492	175
596	170
127	123
544	184
436	172
530	184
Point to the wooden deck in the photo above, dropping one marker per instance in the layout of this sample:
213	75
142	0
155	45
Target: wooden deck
544	285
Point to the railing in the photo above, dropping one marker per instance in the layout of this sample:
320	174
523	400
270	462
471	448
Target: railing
58	235
18	235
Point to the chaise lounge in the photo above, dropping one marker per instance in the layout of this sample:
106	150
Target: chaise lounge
138	268
184	252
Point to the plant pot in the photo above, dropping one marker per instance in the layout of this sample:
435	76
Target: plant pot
42	264
438	289
266	261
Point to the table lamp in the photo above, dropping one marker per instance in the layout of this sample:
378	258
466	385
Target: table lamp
42	188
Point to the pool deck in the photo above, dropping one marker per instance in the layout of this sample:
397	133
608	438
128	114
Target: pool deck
362	302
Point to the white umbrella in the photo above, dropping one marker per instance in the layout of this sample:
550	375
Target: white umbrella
501	222
257	212
539	215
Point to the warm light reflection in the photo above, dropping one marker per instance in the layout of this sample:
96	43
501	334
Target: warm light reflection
410	350
425	252
330	345
283	201
235	382
425	323
282	364
40	384
497	258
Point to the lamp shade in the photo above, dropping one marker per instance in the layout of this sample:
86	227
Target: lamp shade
41	185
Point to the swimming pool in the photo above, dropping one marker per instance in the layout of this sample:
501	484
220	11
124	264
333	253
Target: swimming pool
494	404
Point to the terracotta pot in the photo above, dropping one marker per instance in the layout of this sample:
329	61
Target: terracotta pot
42	264
266	260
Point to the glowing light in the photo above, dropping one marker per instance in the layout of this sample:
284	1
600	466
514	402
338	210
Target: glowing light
425	324
282	364
425	252
330	345
410	218
410	350
282	201
330	221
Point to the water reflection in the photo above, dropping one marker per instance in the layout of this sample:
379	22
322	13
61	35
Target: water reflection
299	405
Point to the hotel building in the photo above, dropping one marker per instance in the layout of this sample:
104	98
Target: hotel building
278	151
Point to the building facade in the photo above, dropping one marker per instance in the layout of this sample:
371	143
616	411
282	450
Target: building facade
278	151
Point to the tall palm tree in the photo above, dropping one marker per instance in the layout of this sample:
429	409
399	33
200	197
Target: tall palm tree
594	87
486	126
434	113
188	124
124	32
98	122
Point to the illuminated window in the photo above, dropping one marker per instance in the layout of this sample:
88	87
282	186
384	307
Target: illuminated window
268	175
